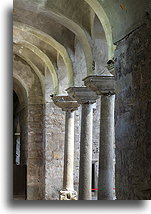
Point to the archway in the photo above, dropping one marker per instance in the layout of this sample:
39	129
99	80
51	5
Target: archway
19	152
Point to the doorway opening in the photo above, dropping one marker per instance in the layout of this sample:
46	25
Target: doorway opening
19	168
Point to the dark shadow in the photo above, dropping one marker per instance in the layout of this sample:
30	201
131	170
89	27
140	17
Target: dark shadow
78	204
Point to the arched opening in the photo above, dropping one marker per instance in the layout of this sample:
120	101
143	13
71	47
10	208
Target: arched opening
19	168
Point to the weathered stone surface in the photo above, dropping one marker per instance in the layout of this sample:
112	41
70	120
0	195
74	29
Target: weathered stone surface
54	147
54	128
85	97
35	160
105	85
85	171
102	85
133	118
82	95
75	25
67	195
106	155
65	103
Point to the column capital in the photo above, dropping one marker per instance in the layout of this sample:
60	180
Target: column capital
82	94
102	85
66	103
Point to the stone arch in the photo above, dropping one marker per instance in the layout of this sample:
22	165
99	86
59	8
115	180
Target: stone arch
16	51
52	42
99	11
31	117
79	32
45	59
20	139
75	28
28	79
21	92
20	88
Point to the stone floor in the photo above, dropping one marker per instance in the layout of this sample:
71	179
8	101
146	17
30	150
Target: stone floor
19	197
22	197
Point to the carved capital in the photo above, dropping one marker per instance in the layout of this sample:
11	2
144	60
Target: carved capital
65	102
102	85
82	94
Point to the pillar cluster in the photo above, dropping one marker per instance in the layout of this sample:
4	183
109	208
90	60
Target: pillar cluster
95	86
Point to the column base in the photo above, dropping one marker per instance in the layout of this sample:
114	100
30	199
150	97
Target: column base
67	195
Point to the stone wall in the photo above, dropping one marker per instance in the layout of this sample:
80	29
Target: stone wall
133	117
35	161
79	64
99	46
54	150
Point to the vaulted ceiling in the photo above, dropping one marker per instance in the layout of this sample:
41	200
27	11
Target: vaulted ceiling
45	32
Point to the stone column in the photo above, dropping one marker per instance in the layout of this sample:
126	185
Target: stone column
104	85
86	98
69	106
106	164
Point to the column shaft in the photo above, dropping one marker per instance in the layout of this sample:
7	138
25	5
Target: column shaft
69	151
107	138
86	153
69	106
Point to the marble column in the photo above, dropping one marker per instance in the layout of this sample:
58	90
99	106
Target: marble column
86	98
69	106
104	85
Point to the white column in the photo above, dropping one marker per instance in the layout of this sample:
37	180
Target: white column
69	106
69	151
